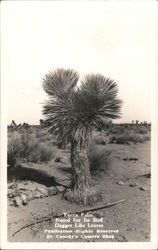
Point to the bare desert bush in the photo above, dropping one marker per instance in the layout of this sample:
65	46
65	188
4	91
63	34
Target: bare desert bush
26	147
126	138
99	158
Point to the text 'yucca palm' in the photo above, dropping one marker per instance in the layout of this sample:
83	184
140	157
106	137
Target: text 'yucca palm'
72	113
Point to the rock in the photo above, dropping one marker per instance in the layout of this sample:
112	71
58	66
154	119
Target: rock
107	140
11	195
133	185
24	199
17	201
21	186
52	191
60	189
31	186
58	159
143	188
120	183
25	182
37	194
31	194
12	185
43	191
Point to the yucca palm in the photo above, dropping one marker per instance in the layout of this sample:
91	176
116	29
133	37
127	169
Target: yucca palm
73	112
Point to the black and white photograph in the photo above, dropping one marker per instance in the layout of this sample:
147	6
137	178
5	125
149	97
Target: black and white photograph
79	124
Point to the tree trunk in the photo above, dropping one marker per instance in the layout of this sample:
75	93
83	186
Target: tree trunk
82	189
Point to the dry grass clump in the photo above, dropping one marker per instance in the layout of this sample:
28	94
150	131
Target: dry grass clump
99	158
26	147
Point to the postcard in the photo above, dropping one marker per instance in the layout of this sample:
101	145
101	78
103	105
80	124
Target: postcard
79	98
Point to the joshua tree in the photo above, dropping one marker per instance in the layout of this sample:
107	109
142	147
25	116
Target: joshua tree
73	112
137	122
13	124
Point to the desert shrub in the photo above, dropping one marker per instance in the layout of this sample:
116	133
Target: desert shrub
113	131
142	130
121	139
26	147
44	136
15	148
29	144
99	158
45	152
126	138
139	138
116	130
99	140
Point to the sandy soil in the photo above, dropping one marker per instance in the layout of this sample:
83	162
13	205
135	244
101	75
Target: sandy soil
123	180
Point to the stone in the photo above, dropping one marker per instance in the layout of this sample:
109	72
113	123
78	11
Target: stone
37	194
133	185
30	194
143	188
120	183
43	191
17	201
58	159
25	182
52	191
60	189
24	199
12	195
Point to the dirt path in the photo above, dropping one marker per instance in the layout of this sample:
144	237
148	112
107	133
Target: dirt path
122	180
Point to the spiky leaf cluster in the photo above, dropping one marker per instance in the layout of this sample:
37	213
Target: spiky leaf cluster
59	81
72	112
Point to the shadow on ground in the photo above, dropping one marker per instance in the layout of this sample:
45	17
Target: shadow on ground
31	174
65	170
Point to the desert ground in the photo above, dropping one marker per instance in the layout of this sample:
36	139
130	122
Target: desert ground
120	170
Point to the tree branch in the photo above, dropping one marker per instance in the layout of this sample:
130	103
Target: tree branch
62	215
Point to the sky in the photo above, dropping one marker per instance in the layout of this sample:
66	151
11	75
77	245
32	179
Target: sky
116	39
